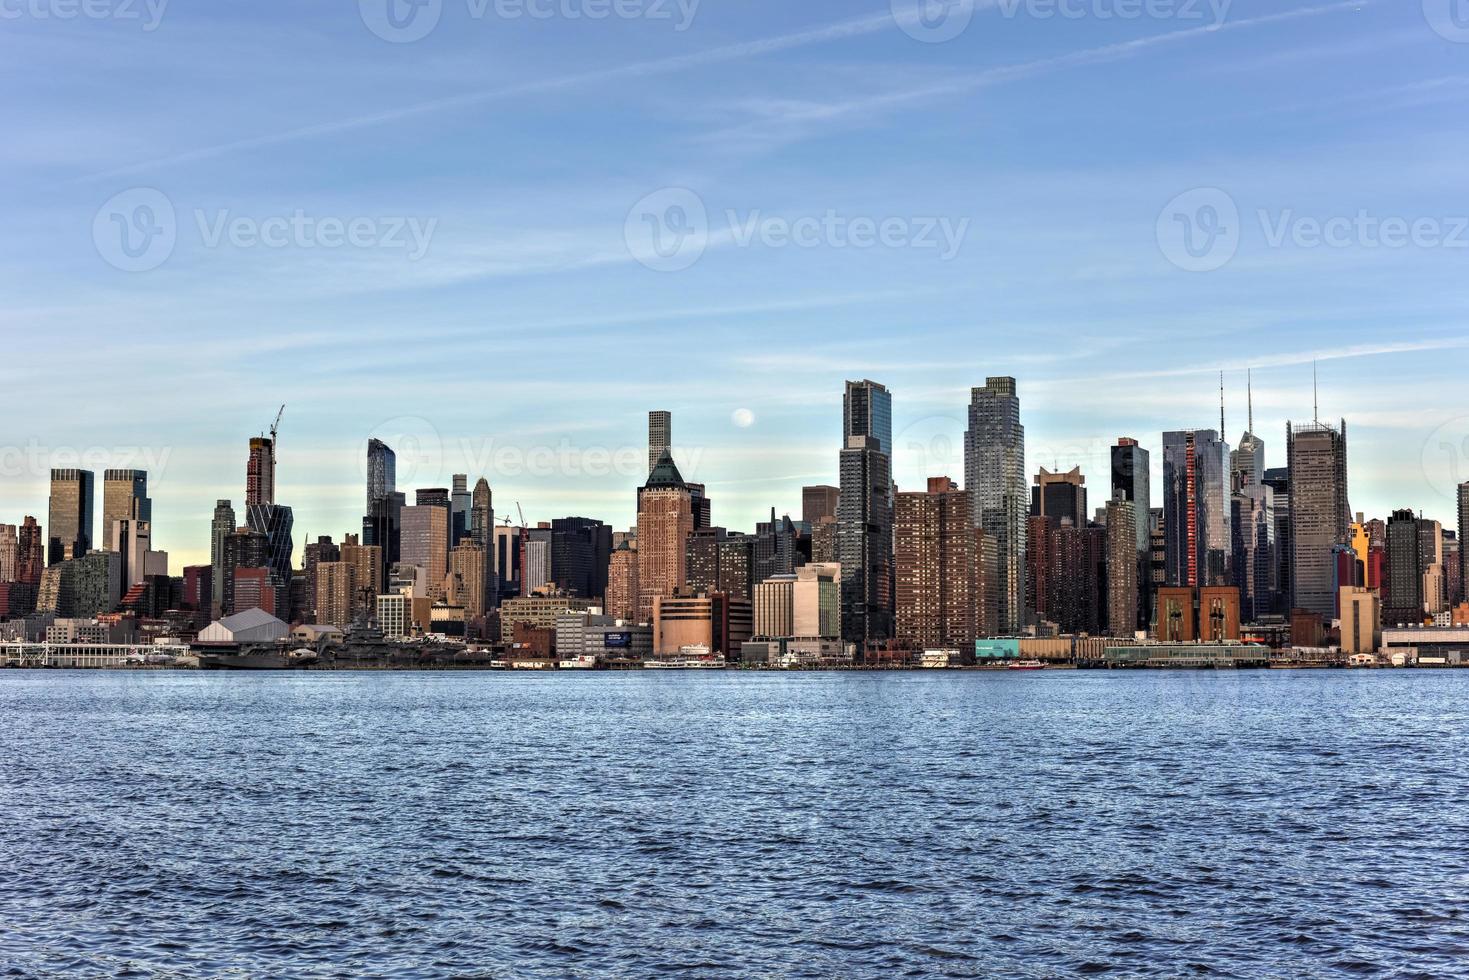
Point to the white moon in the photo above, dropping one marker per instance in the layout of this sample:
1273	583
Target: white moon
743	418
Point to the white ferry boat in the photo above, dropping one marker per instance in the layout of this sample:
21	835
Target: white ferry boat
697	657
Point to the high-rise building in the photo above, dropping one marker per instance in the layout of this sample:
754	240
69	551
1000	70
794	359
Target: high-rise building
718	561
124	498
665	521
1065	575
468	565
260	472
221	527
425	543
1404	600
459	504
994	474
132	540
30	552
819	503
865	514
1278	480
1319	513
1060	496
482	533
508	555
275	521
243	549
1464	539
622	584
1247	463
1431	558
778	548
1196	508
315	554
382	526
1122	566
660	437
371	578
335	600
9	552
1132	477
382	472
1255	563
580	550
69	522
1361	620
936	568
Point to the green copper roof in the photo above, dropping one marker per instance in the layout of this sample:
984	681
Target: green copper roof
665	474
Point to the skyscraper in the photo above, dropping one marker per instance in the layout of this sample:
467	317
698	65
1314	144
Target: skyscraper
425	543
220	528
260	472
665	521
580	550
994	474
819	503
936	568
1123	566
1319	513
660	437
482	533
1278	480
69	521
382	472
622	583
1060	496
1196	508
1255	563
1404	601
459	501
124	498
1464	539
1132	477
865	514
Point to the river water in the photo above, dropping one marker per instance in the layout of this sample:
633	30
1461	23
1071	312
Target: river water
1273	823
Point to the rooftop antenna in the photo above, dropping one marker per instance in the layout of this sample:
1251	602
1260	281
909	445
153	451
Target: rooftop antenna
1315	396
1250	397
1221	406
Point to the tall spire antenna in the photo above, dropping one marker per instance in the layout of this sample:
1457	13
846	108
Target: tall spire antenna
1250	397
1221	406
1315	396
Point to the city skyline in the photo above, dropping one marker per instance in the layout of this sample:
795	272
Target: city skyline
619	470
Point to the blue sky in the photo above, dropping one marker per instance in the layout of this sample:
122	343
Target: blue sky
524	334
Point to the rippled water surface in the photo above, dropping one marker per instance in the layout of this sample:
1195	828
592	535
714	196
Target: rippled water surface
1270	823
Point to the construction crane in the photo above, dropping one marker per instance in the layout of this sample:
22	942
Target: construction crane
276	425
521	513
